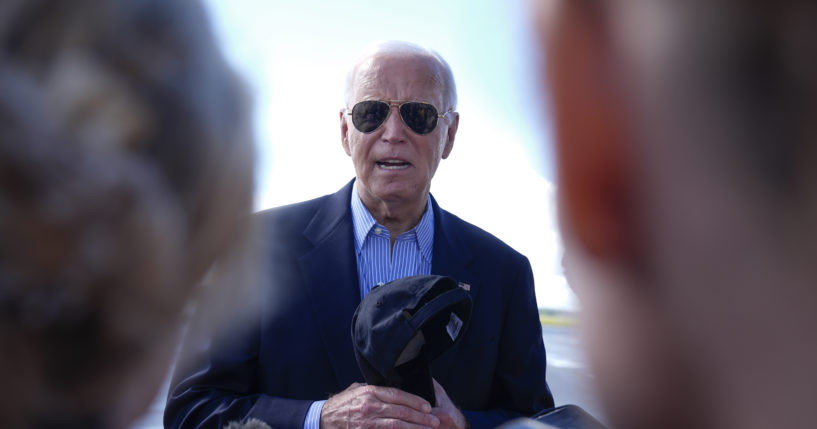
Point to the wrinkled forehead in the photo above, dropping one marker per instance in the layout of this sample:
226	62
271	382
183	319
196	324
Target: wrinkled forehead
399	77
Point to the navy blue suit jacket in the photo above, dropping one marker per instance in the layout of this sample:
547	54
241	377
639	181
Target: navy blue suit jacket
300	349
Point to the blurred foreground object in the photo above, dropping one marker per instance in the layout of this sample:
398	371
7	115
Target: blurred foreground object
562	417
125	171
687	147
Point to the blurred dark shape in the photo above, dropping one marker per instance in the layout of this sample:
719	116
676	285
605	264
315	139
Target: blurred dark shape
562	417
687	153
125	171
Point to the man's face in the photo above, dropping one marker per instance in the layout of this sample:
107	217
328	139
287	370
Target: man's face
393	164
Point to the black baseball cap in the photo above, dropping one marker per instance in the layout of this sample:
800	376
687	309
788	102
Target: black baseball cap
402	326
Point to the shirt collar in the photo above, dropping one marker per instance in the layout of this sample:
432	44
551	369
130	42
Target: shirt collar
363	222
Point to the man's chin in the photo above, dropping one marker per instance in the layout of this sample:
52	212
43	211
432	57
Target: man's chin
397	193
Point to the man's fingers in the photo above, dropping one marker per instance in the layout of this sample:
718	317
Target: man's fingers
377	407
391	395
399	424
384	410
449	415
438	390
442	397
445	418
410	415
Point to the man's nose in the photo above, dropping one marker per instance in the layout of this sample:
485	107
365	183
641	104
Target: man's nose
394	129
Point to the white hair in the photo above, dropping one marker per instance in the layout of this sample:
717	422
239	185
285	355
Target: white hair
401	47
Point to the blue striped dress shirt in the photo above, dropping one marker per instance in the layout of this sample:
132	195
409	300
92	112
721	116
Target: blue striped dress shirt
378	264
375	263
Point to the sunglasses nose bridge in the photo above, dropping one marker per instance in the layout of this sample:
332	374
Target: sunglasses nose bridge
398	130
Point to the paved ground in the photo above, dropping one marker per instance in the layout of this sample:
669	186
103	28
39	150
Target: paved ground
568	376
569	379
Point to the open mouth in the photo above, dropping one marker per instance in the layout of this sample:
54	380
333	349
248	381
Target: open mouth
393	164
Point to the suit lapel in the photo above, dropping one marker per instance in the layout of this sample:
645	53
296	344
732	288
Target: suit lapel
330	270
450	258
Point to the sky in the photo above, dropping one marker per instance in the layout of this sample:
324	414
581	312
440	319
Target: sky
294	56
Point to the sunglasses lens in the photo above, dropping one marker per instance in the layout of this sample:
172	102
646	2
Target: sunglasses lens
368	115
420	117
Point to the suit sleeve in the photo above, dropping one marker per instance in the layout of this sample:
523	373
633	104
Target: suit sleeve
519	386
218	386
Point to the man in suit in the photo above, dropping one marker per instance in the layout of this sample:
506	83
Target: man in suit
326	254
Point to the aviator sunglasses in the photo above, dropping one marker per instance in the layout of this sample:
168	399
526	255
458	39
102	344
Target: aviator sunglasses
369	115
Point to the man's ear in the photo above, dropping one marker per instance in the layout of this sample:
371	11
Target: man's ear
452	132
344	132
592	148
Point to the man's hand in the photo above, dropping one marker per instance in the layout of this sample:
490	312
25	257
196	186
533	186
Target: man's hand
364	406
449	415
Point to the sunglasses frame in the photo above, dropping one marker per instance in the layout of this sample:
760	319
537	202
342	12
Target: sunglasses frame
398	104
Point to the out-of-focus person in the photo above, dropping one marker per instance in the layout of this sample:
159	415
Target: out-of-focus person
687	154
125	171
295	367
